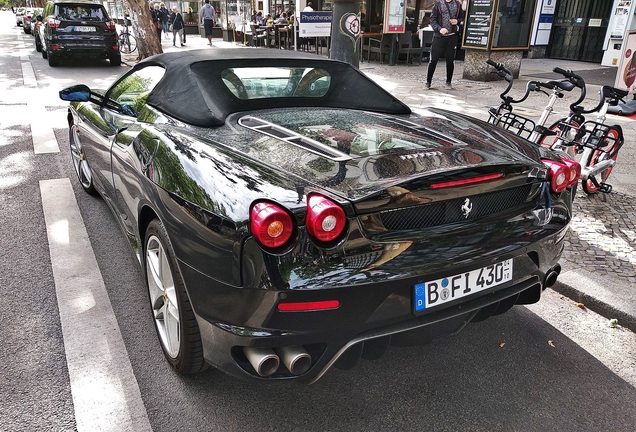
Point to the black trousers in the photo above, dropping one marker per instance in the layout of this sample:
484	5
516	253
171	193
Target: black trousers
445	46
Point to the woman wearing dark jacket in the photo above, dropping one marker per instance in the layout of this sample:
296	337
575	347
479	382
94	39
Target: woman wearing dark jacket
446	18
177	26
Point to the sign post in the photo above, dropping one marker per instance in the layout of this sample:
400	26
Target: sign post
345	31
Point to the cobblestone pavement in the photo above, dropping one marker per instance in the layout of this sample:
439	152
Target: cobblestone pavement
603	236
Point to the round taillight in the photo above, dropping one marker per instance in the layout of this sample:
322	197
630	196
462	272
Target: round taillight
270	224
559	175
325	219
574	171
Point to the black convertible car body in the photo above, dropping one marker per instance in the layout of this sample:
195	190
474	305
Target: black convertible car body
290	214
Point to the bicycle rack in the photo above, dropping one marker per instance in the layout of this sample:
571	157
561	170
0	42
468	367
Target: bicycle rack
597	135
515	123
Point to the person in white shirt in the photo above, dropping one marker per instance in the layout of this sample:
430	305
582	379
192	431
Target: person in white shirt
308	8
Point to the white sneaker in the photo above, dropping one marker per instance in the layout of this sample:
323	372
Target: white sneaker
449	86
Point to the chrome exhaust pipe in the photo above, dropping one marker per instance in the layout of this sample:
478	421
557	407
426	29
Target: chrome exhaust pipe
264	361
295	359
551	276
596	169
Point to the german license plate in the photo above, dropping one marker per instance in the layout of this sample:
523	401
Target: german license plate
444	290
85	29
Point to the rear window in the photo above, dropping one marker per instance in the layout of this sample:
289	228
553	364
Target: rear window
80	13
276	82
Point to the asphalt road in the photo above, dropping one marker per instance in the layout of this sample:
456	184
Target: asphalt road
552	366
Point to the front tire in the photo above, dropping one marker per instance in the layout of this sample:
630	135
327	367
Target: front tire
82	168
38	44
175	322
559	129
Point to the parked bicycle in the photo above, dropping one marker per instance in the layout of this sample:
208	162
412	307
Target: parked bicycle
127	42
596	143
503	116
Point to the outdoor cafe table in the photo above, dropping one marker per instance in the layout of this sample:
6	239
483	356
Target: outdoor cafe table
276	36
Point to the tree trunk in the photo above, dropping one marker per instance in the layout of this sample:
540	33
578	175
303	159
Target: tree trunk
148	44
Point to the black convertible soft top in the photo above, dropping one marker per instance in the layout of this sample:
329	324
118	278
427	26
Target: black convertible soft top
192	89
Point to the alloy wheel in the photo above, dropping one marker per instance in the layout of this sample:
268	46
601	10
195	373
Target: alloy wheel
82	168
163	297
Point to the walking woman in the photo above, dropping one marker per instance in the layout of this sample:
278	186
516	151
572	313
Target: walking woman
177	27
446	18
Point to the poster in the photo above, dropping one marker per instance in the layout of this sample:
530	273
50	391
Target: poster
394	16
626	74
621	19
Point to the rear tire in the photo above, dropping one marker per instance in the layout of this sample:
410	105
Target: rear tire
174	318
609	151
45	54
38	44
54	60
115	60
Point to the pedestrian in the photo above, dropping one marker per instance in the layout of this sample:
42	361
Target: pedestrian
308	8
178	26
446	18
208	17
164	14
156	20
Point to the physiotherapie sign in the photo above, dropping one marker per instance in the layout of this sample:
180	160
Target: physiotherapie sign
315	24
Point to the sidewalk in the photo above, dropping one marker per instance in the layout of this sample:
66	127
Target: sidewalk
599	261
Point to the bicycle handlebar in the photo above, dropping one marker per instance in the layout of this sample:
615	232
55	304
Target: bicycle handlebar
612	94
506	75
578	81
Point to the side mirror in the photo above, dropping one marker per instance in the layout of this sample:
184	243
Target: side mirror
76	93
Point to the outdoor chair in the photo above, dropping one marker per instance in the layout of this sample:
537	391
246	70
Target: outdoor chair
258	36
407	47
381	47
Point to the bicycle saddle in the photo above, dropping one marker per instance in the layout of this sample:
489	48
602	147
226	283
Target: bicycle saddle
563	85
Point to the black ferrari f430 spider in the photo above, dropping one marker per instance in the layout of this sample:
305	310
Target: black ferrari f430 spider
291	215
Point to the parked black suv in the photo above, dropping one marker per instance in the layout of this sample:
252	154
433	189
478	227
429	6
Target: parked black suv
78	28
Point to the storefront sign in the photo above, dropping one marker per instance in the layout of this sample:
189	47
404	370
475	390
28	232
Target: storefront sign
315	24
548	7
477	25
394	16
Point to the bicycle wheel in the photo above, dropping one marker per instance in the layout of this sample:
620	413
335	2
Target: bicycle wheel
607	150
560	131
127	43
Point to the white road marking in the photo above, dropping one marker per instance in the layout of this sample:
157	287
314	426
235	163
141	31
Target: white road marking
28	75
105	393
44	141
